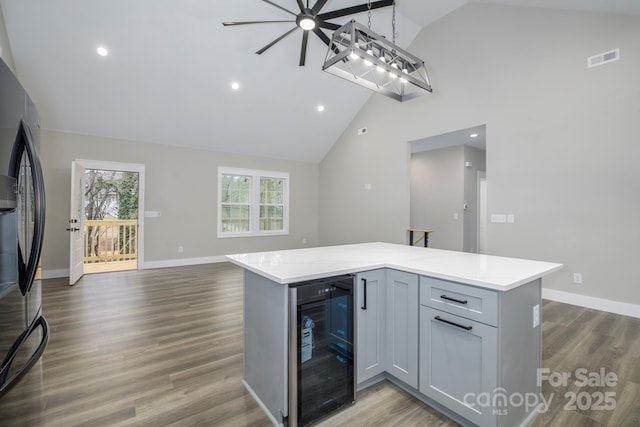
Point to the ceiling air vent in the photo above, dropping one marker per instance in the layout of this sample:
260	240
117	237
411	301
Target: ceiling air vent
603	58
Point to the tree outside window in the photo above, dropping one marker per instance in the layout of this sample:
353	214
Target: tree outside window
252	203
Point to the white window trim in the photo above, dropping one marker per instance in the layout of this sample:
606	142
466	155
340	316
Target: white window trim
254	220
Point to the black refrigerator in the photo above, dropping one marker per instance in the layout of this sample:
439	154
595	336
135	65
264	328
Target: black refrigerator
24	331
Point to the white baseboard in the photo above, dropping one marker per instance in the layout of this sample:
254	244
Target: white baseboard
64	272
182	262
617	307
55	274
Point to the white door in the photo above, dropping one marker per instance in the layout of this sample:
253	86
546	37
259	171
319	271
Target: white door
482	211
76	223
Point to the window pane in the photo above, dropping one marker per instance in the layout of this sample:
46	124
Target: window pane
235	218
271	191
271	218
236	189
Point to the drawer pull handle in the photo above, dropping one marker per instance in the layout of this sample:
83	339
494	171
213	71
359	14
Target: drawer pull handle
364	285
459	301
440	319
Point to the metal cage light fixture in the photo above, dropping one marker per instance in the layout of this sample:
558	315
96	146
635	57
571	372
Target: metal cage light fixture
359	55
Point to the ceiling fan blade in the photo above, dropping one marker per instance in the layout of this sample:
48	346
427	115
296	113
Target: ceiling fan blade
325	39
319	5
300	5
329	25
303	51
354	9
280	7
227	24
261	51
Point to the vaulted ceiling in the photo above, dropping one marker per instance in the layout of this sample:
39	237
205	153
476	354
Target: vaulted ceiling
167	78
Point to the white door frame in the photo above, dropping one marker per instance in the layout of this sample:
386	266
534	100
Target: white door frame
76	223
482	212
126	167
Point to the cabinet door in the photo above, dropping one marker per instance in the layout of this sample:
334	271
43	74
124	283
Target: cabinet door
458	364
402	326
370	337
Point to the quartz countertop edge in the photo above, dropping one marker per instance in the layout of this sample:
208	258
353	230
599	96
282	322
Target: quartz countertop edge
485	271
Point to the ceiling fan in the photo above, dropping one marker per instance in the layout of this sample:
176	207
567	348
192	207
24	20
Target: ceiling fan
310	19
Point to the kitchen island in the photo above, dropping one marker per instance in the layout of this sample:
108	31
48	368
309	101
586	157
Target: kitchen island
459	331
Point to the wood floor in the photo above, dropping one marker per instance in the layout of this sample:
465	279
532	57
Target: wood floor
164	347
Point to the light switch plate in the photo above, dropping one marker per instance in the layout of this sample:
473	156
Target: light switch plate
500	218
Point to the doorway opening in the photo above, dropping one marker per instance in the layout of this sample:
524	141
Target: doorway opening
107	217
110	220
446	195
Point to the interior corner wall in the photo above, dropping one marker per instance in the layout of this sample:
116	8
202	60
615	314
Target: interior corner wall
437	193
562	146
181	183
5	47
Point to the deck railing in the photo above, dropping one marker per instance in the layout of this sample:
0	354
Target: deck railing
110	240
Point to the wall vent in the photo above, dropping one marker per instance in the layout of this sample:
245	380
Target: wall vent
603	58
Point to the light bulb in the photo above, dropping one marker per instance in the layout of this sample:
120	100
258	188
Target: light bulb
404	70
102	51
367	62
353	55
307	24
379	68
394	75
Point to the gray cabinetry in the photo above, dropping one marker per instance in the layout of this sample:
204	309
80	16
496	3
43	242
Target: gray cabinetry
402	326
479	348
458	362
371	325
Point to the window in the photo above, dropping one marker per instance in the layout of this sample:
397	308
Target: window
252	202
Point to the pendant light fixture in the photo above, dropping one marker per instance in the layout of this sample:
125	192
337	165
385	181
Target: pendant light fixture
359	55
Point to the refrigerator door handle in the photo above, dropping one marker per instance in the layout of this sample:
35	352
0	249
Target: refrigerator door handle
7	384
24	146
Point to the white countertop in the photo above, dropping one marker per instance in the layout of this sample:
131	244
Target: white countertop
297	265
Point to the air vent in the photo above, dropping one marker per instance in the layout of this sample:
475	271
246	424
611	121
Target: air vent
603	58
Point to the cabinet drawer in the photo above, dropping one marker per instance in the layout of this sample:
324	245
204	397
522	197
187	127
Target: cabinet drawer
458	364
467	301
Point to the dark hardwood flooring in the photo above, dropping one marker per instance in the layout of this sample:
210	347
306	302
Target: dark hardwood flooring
164	347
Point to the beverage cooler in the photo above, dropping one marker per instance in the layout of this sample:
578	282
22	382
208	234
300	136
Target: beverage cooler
24	331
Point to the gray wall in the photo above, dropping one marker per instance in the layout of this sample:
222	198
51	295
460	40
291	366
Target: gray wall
478	160
437	192
5	48
440	185
562	141
182	184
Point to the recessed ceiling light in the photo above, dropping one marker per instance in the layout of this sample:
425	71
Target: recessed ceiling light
320	108
473	135
102	51
235	85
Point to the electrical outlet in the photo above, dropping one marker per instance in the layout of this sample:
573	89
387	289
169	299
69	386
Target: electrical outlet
180	249
536	315
577	278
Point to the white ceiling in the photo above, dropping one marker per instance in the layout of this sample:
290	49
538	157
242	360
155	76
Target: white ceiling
167	78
